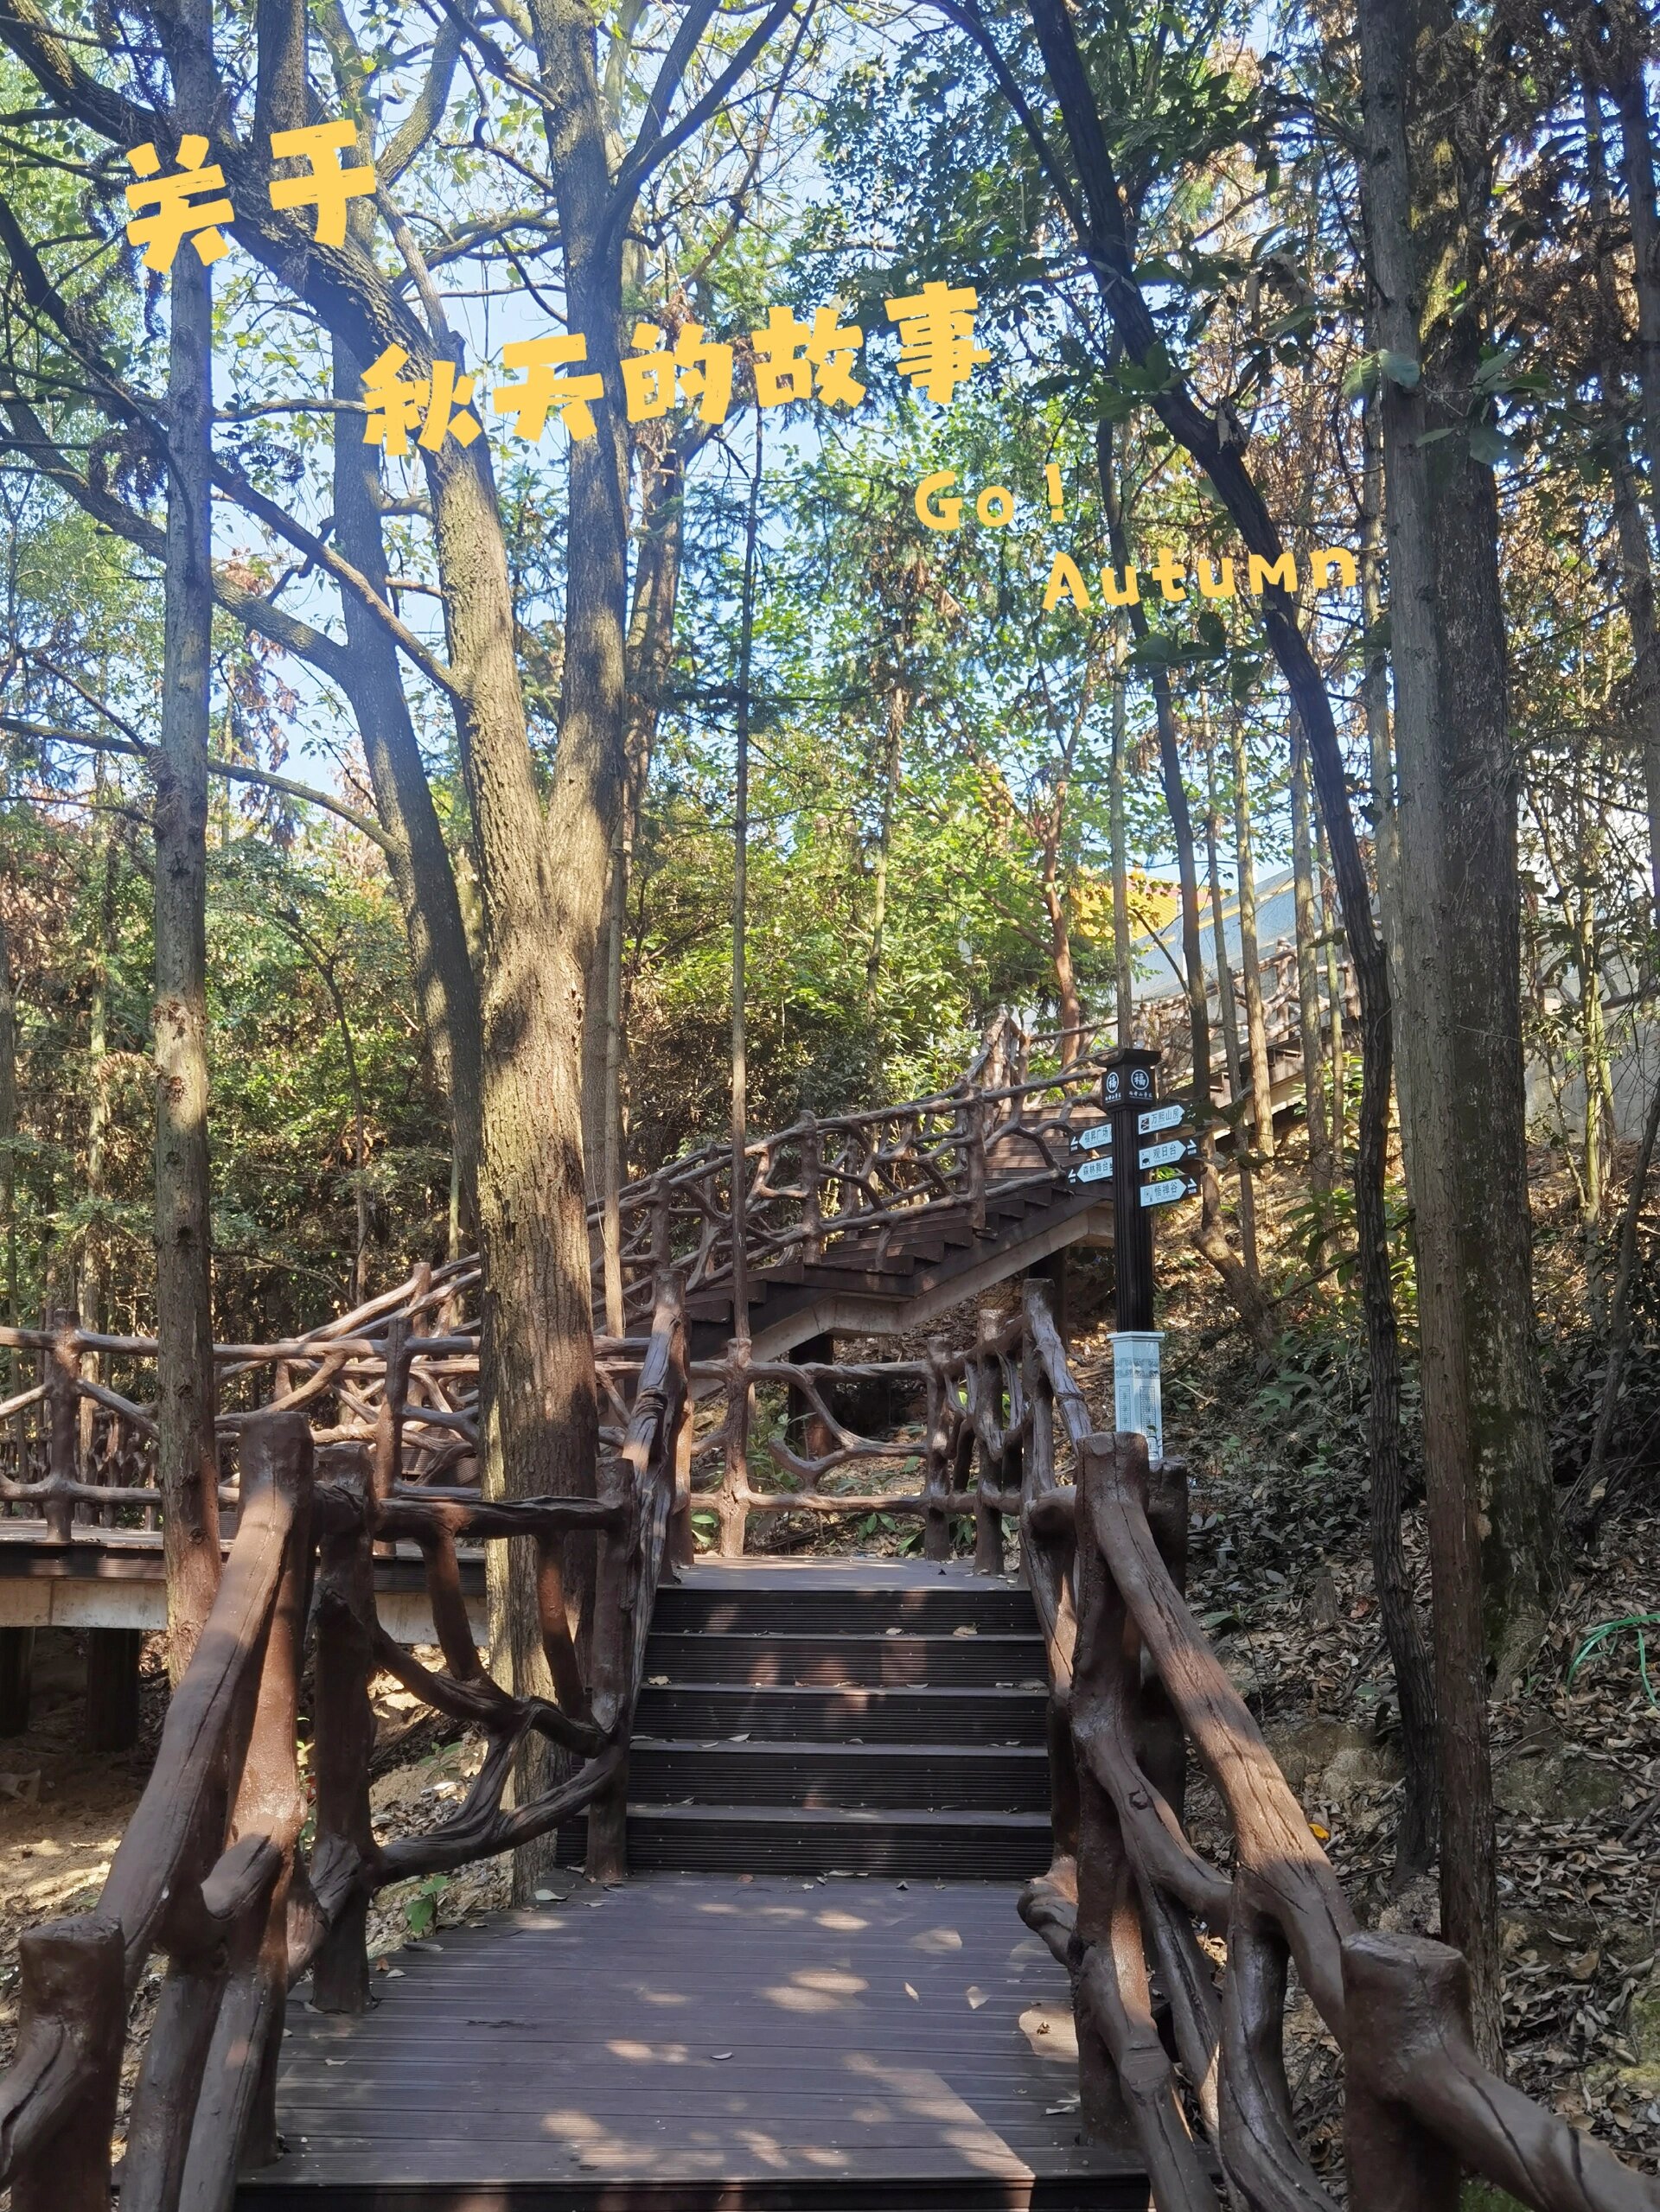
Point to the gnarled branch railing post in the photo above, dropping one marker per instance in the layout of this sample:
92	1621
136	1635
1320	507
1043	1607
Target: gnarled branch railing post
1421	2110
343	1741
210	1870
57	2099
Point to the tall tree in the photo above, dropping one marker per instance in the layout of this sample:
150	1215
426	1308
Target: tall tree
186	1451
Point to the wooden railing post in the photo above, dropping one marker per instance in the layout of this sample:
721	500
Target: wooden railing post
235	2126
988	1521
972	1115
1164	1742
343	1742
936	1451
72	2015
1103	1685
682	1545
389	1424
62	1372
1402	1996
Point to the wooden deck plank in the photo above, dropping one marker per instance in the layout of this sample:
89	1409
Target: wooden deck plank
686	2032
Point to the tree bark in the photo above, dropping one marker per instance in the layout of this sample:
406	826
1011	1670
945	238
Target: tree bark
1060	953
1636	563
186	1452
1434	509
1228	1010
417	860
1375	680
8	1154
1250	962
1123	979
1330	928
1308	978
89	1294
893	736
650	654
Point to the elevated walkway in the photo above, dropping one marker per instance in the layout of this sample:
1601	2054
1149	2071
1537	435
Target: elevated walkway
814	1991
895	1278
694	2043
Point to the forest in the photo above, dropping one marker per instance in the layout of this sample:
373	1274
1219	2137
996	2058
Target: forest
586	584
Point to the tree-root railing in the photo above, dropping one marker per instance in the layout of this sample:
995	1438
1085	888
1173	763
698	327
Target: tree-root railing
974	1406
212	1871
1193	2075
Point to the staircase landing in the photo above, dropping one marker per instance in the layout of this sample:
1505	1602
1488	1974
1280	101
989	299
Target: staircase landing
700	2043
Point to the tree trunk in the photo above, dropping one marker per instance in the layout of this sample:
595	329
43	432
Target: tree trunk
1308	977
894	729
186	1452
1181	816
1637	569
89	1300
741	919
8	1154
1330	934
1593	1065
417	860
1066	982
1435	1061
1256	1024
1228	1010
1123	979
650	653
1375	680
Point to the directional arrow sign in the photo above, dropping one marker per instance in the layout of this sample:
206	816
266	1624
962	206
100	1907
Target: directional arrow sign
1166	1193
1097	1170
1092	1140
1167	1155
1164	1117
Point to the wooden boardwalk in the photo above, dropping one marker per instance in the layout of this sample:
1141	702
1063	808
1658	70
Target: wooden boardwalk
700	2044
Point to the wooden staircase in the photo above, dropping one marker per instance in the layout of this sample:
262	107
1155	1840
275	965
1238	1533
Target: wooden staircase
900	1275
865	1718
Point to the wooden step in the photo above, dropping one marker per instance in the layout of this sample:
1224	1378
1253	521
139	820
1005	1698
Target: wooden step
749	1602
785	1839
714	1712
890	1659
945	1777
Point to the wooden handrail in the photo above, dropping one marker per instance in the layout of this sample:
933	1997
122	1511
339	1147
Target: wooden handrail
211	1869
1126	1889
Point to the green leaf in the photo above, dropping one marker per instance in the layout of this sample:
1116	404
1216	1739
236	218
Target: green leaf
1400	368
1490	446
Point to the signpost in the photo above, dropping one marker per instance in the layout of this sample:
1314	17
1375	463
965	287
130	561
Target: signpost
1165	1155
1129	1095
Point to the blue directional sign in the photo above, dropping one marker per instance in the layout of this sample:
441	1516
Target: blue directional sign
1092	1140
1164	1117
1099	1169
1166	1193
1167	1155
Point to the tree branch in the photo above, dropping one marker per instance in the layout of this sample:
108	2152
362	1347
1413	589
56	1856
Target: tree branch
645	158
233	771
